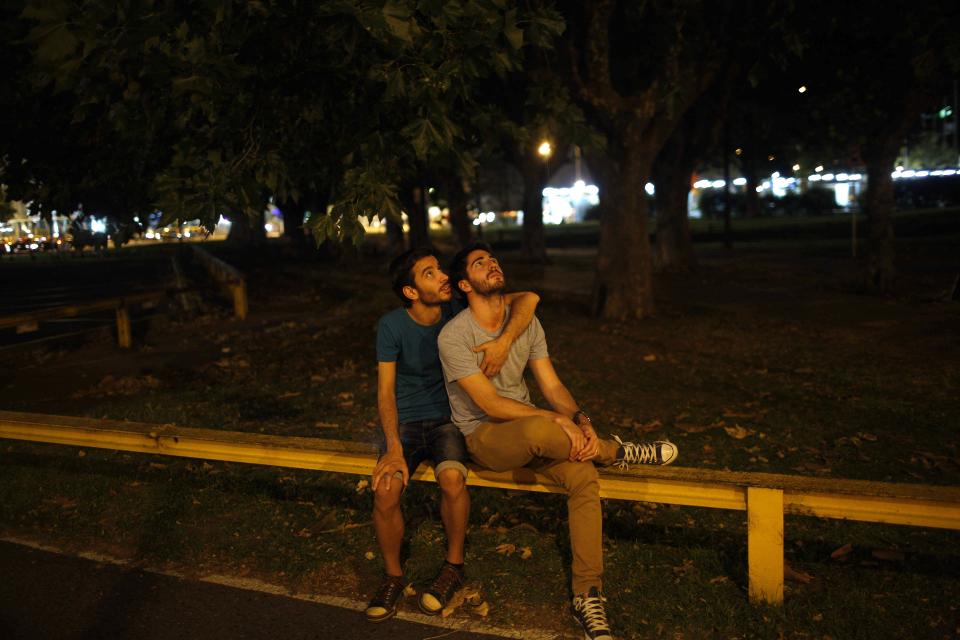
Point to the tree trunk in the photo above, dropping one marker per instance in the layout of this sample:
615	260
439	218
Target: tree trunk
674	245
457	200
293	230
671	175
879	205
533	244
395	242
246	231
623	288
417	218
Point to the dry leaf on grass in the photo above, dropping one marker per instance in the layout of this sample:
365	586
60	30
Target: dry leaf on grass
369	555
326	425
650	358
362	485
794	575
525	553
469	595
289	394
842	552
738	432
506	548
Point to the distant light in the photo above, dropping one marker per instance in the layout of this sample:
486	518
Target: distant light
759	189
740	181
268	227
813	178
842	177
802	89
922	174
796	167
818	168
650	189
765	185
739	151
909	173
545	149
855	176
431	190
949	172
718	184
702	184
771	158
827	176
900	167
775	174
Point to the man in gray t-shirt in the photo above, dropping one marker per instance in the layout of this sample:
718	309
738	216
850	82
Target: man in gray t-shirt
504	430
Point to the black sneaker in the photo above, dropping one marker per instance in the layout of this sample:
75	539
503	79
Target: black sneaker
383	605
435	598
589	612
659	452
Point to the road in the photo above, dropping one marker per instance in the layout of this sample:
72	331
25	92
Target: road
49	595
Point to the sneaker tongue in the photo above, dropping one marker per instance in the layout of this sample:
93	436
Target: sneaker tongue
593	593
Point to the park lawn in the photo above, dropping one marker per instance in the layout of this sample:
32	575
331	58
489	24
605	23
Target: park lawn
769	359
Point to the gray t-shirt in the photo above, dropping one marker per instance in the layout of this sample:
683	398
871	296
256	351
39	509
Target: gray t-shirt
457	341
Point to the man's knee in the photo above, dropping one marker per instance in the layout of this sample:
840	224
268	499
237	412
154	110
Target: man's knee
385	499
452	483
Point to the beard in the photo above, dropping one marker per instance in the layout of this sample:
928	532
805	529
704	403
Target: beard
486	288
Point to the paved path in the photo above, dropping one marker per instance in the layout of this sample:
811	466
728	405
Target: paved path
48	595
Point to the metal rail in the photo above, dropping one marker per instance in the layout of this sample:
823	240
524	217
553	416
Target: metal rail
765	497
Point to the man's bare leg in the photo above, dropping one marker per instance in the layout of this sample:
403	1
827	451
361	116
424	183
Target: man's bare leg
388	524
454	511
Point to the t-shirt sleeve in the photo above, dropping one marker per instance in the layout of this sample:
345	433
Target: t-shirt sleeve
388	343
456	354
538	340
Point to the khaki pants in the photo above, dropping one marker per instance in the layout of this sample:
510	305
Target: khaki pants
540	444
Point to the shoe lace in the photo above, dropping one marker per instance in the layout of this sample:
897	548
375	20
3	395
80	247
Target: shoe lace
643	453
593	613
447	580
389	590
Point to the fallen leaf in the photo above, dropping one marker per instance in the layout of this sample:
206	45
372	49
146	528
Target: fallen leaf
869	437
369	555
719	580
326	425
796	576
289	394
346	405
303	533
409	590
650	358
737	432
526	553
817	617
687	427
646	427
362	485
842	552
506	548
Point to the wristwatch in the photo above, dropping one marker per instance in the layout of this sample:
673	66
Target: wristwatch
577	415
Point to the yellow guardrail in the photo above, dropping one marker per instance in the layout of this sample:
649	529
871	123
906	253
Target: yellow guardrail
30	321
227	277
765	497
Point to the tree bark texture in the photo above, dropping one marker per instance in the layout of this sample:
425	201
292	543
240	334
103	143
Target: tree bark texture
533	243
879	205
416	207
623	288
671	175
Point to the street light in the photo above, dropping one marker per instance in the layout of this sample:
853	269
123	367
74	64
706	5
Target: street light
545	149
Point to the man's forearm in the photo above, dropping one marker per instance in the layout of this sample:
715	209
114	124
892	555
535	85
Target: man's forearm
561	400
522	308
389	422
506	409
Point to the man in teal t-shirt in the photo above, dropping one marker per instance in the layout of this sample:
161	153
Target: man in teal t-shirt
415	416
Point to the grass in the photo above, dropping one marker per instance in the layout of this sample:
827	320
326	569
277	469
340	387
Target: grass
770	342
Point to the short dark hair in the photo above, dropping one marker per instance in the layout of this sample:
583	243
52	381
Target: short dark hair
401	270
458	266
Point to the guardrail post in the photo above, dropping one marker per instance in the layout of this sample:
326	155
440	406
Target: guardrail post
765	544
239	290
123	327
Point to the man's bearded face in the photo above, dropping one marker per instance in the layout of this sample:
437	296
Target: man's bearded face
484	273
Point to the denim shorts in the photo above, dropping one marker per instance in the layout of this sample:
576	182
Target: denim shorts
438	441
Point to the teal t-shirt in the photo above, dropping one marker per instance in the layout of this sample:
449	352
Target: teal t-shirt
421	394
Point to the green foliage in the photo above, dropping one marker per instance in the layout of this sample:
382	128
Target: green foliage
212	108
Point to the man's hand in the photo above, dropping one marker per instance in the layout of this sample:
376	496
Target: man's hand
577	439
592	447
387	466
495	353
